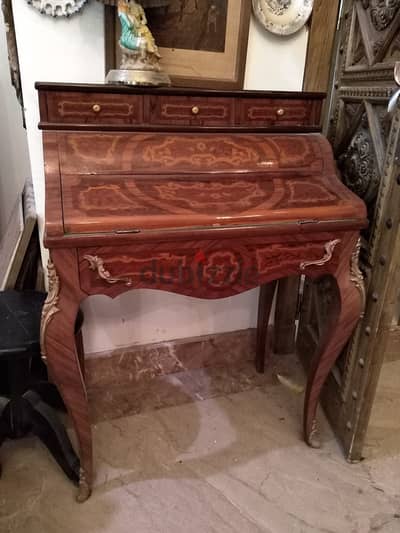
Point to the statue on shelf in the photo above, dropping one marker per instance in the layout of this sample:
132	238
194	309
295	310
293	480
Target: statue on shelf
140	55
134	30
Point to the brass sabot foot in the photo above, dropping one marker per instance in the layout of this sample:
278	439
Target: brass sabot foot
313	439
84	490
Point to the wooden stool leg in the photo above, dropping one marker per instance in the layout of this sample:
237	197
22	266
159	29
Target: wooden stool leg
265	300
285	315
348	308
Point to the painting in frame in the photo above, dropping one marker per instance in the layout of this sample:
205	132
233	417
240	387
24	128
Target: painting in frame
203	43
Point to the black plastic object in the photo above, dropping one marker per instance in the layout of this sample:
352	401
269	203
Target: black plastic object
28	401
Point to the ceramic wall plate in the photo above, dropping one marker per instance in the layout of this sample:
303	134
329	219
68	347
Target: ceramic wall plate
283	17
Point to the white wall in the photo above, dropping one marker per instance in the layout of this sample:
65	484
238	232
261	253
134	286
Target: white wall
70	50
275	63
14	160
73	50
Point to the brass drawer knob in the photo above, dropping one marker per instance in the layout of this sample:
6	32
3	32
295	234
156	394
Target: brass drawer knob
96	108
280	112
195	110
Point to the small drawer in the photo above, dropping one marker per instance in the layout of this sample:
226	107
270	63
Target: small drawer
279	112
91	108
115	269
190	111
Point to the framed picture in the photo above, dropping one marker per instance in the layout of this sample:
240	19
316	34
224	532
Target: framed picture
203	43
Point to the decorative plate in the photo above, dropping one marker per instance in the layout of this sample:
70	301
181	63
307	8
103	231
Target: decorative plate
58	8
283	17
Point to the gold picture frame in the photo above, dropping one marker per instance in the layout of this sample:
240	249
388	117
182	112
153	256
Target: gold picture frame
204	46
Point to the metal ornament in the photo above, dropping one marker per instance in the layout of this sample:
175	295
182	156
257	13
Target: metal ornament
96	263
283	17
50	307
329	249
58	8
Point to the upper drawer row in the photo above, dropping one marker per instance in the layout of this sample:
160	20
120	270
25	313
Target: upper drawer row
177	110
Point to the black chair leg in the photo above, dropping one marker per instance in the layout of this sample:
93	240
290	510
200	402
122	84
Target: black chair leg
28	402
4	427
49	394
47	426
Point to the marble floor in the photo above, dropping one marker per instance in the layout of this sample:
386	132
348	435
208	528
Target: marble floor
224	459
383	435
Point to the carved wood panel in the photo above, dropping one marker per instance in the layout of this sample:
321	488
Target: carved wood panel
364	139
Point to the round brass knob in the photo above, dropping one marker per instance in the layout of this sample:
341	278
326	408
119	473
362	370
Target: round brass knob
96	108
195	110
280	112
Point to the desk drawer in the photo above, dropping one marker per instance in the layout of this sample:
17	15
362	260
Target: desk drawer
191	111
204	268
279	112
90	108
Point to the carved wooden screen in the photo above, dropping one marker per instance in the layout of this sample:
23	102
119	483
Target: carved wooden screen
364	138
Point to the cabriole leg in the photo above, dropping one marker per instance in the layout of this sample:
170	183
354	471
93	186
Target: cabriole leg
59	350
347	310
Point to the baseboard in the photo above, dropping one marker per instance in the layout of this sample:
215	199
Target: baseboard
135	363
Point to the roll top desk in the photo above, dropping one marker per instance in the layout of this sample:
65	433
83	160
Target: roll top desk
197	192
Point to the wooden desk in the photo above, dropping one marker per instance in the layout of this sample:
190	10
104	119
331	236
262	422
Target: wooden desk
201	193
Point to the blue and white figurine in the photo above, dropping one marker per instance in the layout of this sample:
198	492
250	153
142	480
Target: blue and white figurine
140	55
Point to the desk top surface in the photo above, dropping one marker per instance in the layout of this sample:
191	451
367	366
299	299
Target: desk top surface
179	91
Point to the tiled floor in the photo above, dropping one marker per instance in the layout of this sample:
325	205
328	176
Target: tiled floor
228	458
